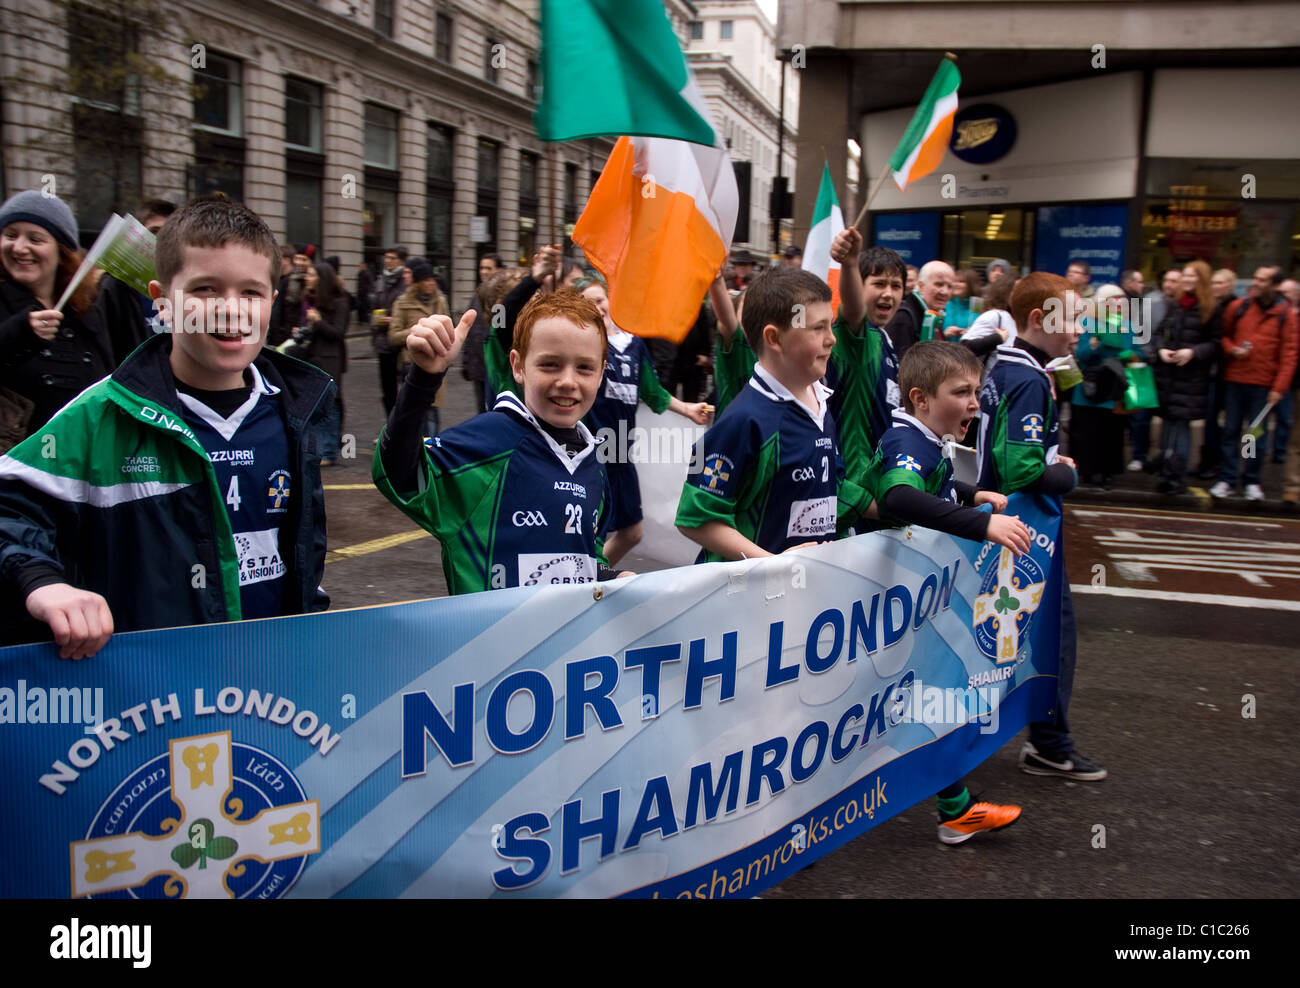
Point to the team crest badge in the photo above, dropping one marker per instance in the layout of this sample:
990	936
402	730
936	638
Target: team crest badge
209	819
1009	594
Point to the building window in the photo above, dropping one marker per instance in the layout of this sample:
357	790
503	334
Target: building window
442	38
531	86
697	30
724	30
384	17
106	130
440	193
487	191
302	208
493	56
302	114
571	207
381	137
530	206
218	96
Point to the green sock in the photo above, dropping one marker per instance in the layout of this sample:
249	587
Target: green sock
953	807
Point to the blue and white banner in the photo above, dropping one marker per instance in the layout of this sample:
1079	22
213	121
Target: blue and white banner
702	731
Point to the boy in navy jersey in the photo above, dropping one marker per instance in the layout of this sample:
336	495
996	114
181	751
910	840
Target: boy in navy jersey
630	378
773	478
515	496
185	488
940	383
1018	452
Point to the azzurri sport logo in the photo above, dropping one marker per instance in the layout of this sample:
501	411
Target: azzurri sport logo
90	941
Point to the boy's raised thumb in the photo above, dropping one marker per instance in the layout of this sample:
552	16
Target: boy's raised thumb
466	324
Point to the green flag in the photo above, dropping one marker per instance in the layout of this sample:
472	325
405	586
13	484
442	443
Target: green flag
614	67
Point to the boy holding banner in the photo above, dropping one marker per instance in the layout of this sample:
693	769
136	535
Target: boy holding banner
515	496
1019	452
916	486
773	478
185	488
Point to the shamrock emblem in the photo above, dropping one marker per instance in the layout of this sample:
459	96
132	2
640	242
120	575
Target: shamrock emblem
202	845
1005	602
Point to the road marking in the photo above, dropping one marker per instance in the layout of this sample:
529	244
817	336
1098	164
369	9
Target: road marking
350	487
374	545
1186	516
1189	598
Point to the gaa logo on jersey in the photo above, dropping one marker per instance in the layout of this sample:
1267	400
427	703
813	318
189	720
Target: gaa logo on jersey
208	819
1032	426
1009	594
277	492
904	462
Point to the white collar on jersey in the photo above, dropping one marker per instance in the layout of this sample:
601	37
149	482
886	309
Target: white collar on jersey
765	384
619	339
1009	351
903	419
508	401
226	428
964	465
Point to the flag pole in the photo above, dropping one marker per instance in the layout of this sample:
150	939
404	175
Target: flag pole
862	215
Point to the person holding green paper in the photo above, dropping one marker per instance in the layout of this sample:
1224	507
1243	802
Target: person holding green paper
1096	432
47	356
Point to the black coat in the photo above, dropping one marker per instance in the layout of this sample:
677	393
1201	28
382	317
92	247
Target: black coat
50	373
1184	391
904	328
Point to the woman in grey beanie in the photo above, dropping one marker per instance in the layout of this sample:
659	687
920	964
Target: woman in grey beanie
47	357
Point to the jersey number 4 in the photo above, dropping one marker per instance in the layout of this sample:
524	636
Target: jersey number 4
232	494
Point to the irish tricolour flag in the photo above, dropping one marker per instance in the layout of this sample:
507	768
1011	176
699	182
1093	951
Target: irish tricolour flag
926	138
660	219
827	221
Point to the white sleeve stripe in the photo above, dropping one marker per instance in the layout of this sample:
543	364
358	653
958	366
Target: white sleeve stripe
75	490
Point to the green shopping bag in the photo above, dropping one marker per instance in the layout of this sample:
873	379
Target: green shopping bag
1141	390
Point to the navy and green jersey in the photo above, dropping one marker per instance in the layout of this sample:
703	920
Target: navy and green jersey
509	505
772	471
630	378
863	377
1019	429
250	457
910	454
733	366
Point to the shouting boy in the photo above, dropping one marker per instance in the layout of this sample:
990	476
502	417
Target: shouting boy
940	385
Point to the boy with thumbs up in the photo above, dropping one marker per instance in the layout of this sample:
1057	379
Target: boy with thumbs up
515	496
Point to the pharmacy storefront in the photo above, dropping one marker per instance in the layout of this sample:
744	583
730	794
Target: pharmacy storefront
1047	176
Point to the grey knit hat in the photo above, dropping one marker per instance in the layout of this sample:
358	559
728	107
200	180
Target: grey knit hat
998	264
48	212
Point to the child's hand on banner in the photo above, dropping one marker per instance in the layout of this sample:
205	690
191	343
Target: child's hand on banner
434	343
1010	531
80	620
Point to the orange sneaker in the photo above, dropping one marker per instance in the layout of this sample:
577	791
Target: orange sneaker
977	818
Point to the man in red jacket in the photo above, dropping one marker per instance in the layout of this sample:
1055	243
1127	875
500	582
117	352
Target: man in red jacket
1261	339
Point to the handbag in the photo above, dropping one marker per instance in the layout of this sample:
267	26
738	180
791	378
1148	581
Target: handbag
15	414
1141	389
1105	382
